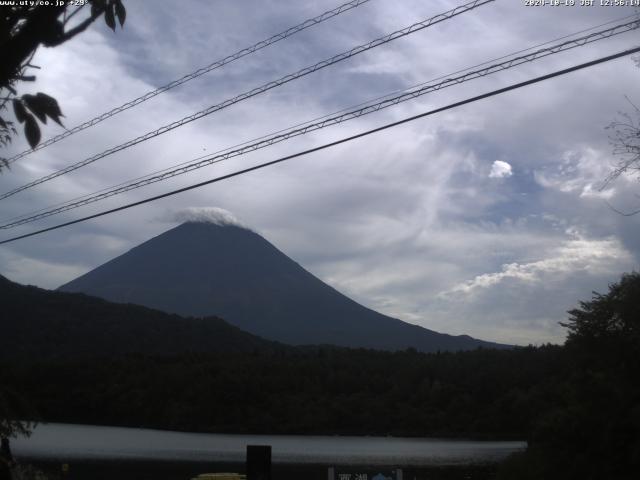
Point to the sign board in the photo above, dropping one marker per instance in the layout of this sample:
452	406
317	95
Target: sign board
364	473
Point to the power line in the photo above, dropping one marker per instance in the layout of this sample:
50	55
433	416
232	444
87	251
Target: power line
258	90
332	144
201	71
370	101
292	132
266	141
557	39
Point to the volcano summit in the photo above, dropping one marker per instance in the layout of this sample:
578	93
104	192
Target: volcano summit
203	268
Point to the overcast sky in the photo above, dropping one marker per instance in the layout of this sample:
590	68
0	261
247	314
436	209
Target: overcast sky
485	220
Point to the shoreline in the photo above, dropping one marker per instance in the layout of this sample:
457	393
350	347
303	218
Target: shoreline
113	444
185	470
455	437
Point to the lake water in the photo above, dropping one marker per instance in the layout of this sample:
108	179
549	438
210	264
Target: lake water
83	442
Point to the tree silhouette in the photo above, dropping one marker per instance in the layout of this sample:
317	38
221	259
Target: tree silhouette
23	28
592	431
13	410
611	318
625	140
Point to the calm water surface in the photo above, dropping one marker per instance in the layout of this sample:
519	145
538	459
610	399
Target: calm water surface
84	442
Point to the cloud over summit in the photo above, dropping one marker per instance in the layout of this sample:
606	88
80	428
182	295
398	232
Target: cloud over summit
215	215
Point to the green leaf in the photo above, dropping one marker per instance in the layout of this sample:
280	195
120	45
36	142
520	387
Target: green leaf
121	12
19	110
32	131
109	17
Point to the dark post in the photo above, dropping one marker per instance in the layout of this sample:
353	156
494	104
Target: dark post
258	462
6	459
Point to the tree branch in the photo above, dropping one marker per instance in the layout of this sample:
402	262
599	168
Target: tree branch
69	17
627	214
81	27
33	33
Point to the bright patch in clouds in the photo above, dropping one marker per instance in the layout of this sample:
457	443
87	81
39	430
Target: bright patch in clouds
579	171
500	169
577	255
44	274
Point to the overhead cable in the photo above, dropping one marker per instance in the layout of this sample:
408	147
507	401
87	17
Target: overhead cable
332	144
258	90
190	76
218	157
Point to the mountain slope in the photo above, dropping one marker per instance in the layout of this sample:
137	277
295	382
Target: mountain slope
201	268
40	324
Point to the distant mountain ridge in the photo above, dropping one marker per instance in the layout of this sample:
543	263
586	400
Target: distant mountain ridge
38	324
202	268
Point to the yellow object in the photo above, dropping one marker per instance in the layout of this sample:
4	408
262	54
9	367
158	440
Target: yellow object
220	476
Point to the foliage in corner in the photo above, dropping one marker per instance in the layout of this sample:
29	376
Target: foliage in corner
23	28
14	414
624	138
611	317
593	431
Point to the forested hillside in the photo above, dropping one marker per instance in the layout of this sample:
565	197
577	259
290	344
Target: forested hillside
202	269
577	404
324	390
41	324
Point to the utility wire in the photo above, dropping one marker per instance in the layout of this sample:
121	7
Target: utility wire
466	69
258	90
263	142
368	102
201	71
387	95
332	144
217	157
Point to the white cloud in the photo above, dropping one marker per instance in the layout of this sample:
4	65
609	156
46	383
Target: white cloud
580	254
500	169
215	215
44	274
588	191
579	171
